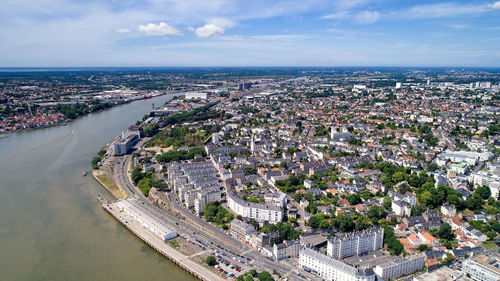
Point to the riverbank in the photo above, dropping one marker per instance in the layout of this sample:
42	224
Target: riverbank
66	121
105	178
199	271
67	235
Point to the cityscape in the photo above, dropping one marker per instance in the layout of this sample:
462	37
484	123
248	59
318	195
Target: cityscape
228	140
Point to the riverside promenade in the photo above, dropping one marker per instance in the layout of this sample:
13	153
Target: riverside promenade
197	270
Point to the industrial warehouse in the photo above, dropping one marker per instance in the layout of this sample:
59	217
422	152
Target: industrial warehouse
133	208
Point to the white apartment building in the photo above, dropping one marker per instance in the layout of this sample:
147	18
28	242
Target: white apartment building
482	268
331	269
259	212
489	179
356	243
285	250
196	184
206	196
469	157
400	267
401	208
448	210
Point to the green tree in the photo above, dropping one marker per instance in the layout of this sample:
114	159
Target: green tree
398	176
265	276
426	198
376	213
346	224
423	248
210	261
495	225
475	202
249	278
483	191
387	203
253	272
393	244
95	161
432	167
445	232
354	198
314	221
136	175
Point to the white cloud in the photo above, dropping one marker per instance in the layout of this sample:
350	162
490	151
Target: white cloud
336	16
366	17
276	37
208	30
442	10
122	30
349	4
161	29
494	6
222	22
457	26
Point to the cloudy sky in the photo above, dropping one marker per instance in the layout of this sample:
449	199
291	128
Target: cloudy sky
249	33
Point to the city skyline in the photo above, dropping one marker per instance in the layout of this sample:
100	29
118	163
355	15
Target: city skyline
249	33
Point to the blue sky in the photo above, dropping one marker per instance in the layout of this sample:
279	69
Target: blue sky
249	33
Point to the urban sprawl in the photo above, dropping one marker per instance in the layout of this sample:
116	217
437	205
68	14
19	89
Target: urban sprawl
315	175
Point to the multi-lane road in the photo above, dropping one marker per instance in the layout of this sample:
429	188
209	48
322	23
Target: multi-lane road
199	231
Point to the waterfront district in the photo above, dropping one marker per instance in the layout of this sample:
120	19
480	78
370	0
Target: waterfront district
308	178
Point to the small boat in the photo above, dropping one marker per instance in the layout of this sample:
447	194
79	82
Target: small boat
84	173
73	132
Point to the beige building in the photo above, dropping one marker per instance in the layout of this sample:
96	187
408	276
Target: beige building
400	267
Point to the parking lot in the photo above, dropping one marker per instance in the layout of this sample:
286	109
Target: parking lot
228	268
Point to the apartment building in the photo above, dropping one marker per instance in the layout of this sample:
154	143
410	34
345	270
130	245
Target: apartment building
356	243
331	269
260	212
286	250
241	229
400	267
196	184
482	268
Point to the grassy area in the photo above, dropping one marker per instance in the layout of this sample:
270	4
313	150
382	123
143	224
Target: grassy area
103	176
174	243
490	245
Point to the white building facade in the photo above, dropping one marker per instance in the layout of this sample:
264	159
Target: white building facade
331	269
356	243
259	212
482	268
400	267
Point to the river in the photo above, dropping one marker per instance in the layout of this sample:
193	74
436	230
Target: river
51	226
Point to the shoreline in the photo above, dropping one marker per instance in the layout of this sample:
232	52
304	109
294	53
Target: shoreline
184	262
196	269
67	121
112	191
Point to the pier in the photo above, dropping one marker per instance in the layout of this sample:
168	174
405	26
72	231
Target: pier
195	269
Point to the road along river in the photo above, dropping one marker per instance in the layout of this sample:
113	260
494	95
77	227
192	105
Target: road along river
51	225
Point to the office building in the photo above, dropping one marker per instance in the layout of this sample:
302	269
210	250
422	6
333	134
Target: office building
124	146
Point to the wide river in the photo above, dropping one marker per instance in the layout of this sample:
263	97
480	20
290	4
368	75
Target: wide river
51	225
